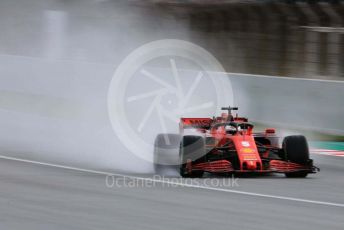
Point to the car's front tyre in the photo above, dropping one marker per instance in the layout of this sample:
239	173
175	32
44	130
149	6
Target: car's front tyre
296	150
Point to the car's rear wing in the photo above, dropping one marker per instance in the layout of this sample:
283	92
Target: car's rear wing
195	123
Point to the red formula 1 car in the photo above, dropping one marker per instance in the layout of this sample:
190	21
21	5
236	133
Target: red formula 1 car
227	144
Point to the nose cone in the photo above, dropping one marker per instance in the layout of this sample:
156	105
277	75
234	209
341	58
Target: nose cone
251	165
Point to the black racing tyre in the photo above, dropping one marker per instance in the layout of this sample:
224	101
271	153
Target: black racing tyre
166	148
297	175
296	150
191	148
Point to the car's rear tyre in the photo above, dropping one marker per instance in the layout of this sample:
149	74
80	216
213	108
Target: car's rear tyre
164	153
296	150
192	148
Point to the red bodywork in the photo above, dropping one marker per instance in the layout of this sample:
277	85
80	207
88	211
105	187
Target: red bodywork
243	143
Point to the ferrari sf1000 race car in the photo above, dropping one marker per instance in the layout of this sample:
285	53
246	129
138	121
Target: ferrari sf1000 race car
227	144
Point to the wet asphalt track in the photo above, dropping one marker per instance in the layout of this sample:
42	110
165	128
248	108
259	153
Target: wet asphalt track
43	197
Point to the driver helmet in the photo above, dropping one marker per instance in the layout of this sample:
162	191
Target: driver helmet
230	129
224	116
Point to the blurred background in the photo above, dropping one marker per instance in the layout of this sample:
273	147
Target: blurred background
282	38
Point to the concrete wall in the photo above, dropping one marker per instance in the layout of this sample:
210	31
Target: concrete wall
314	105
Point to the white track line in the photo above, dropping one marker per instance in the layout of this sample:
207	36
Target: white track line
178	183
328	152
